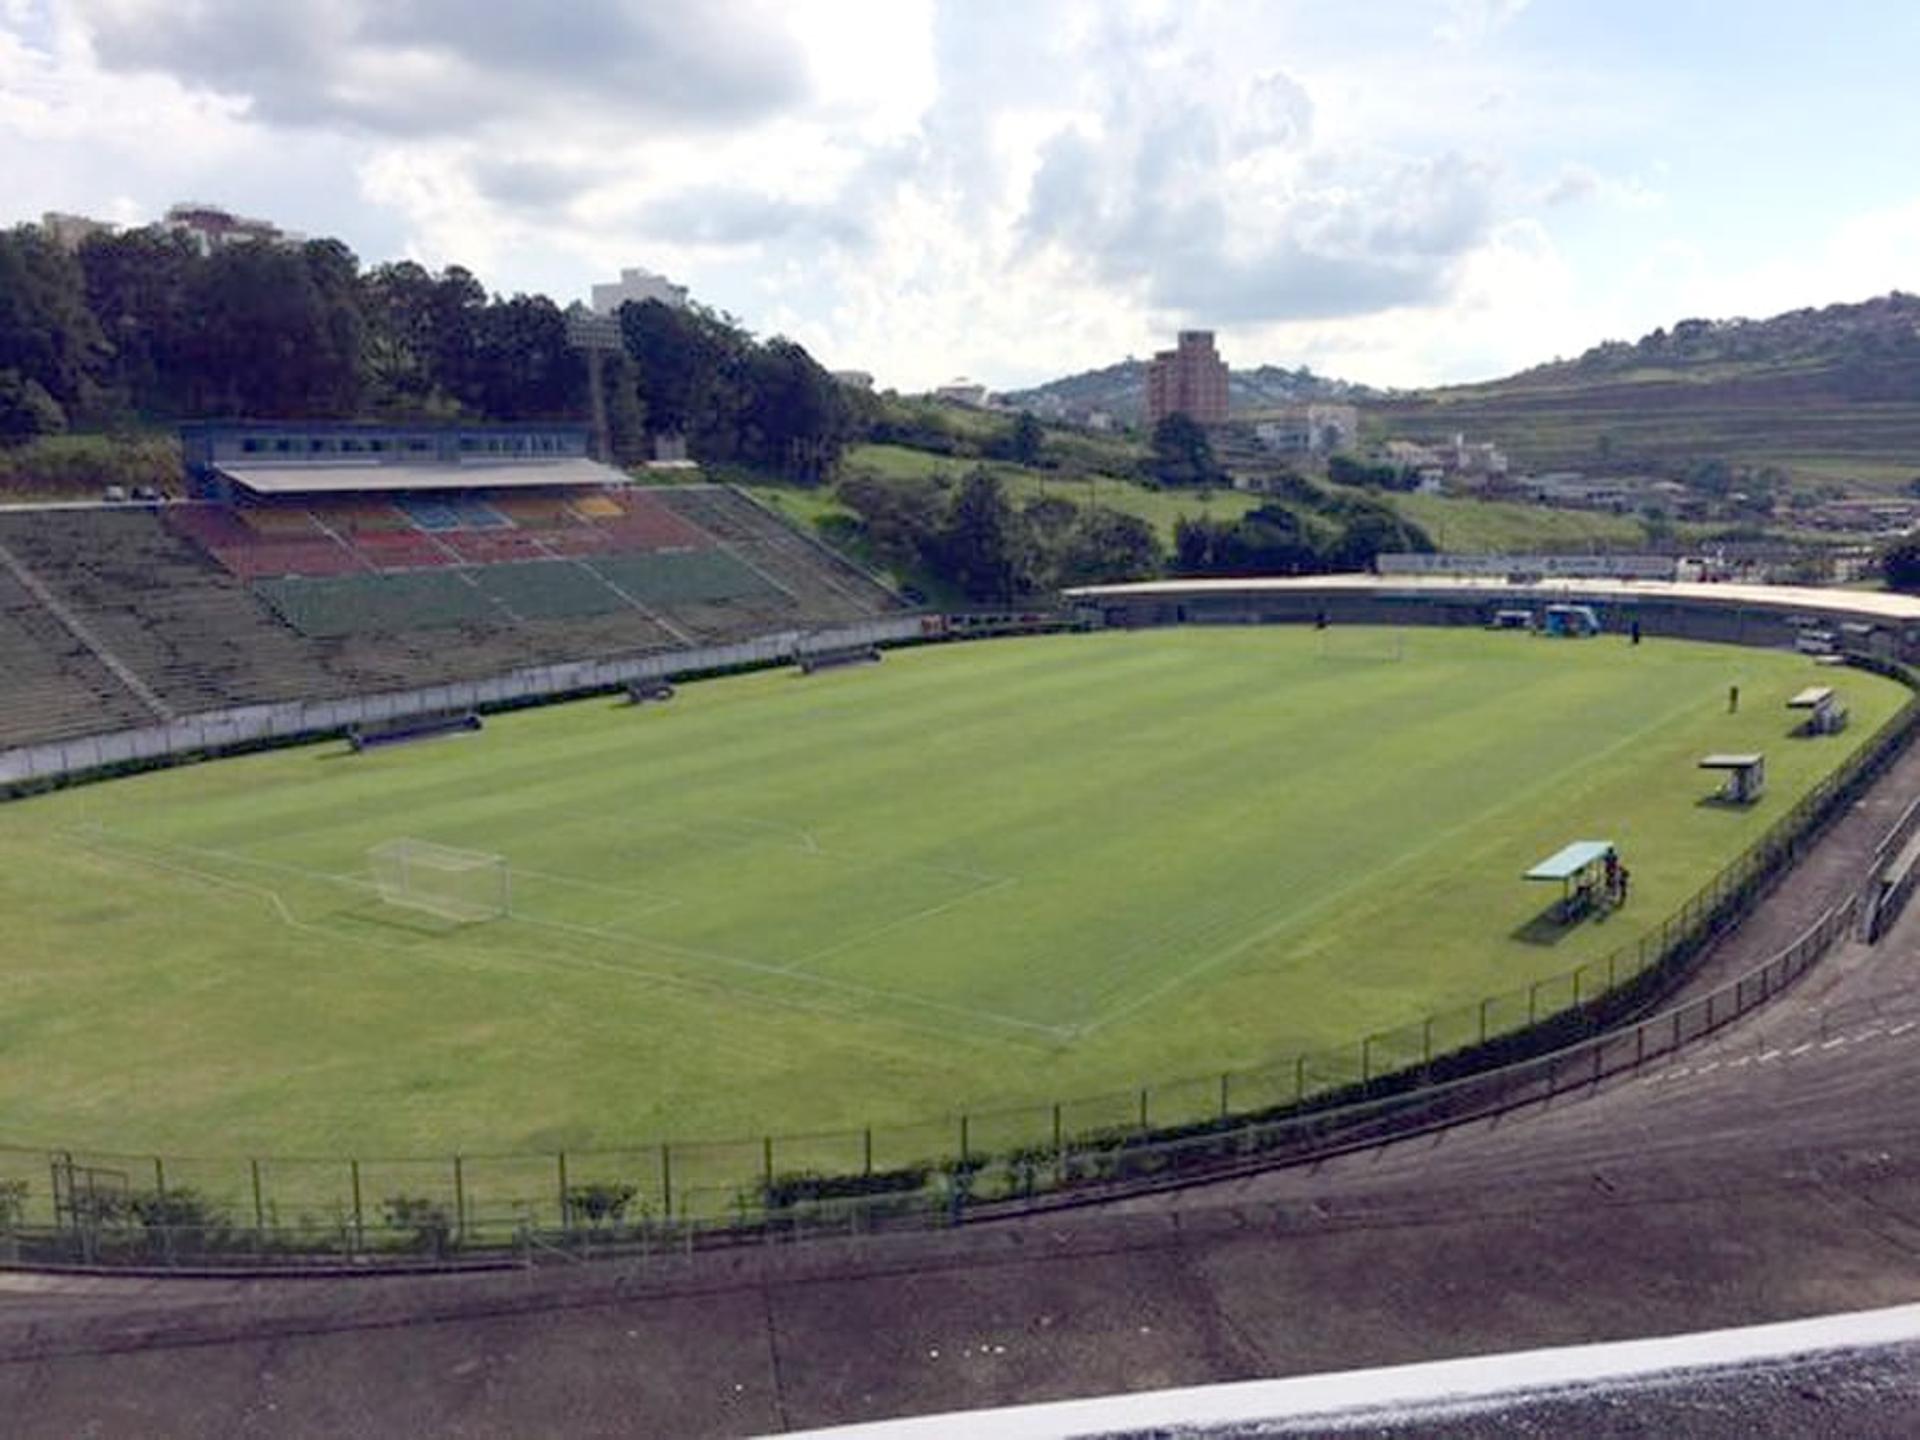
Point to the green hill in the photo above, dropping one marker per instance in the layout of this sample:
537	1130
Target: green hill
1829	394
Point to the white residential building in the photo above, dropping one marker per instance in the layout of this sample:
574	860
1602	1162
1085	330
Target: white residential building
211	227
962	392
638	286
1310	430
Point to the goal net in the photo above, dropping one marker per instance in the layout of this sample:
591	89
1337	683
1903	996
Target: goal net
453	884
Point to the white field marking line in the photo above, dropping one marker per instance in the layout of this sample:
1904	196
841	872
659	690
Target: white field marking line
682	952
1706	1069
1293	917
1903	1028
1741	1063
865	992
532	960
1769	1055
887	927
1835	1043
653	901
1800	1049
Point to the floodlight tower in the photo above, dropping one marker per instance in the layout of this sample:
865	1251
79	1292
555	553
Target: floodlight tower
597	336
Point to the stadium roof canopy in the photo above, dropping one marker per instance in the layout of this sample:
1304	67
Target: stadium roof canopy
1853	604
338	479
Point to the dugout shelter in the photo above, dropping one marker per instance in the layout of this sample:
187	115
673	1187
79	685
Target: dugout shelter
1581	870
1825	715
1744	776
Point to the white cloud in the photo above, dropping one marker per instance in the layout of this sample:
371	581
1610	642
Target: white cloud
1010	188
1467	22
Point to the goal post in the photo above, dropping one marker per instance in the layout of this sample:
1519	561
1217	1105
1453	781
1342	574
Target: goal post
454	884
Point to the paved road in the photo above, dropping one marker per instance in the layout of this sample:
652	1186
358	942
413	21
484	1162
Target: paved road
1770	1173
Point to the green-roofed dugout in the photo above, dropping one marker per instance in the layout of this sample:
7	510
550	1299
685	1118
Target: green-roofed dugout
1567	863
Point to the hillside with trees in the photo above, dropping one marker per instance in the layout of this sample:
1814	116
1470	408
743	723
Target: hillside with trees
138	330
1820	394
1120	390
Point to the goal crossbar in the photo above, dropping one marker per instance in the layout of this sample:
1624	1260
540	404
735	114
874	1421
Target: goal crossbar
444	880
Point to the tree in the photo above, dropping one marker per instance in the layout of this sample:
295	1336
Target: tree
269	336
901	518
1182	454
1199	543
521	366
27	411
1025	444
1900	565
422	334
1345	470
1371	530
138	287
47	334
1108	545
983	545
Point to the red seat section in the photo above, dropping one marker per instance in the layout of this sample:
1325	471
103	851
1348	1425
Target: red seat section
485	547
580	540
646	524
266	558
401	550
209	524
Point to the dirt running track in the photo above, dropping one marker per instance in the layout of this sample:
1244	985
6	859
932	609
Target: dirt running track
1770	1173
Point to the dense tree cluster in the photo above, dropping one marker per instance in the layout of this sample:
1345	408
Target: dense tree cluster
141	327
969	533
1183	455
1329	533
1900	565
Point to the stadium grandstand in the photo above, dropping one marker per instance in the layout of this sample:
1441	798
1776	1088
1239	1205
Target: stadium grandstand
319	560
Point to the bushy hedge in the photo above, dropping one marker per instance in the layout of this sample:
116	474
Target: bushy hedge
82	466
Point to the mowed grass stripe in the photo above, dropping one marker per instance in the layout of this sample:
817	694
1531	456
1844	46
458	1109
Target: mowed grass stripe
972	875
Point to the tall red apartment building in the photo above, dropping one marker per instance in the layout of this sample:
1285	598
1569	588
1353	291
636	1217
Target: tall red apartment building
1190	380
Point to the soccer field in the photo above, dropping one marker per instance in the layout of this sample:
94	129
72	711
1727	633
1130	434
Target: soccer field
971	875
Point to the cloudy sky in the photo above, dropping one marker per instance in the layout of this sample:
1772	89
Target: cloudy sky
1396	191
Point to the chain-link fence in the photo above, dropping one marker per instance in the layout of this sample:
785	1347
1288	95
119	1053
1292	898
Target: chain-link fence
1503	1050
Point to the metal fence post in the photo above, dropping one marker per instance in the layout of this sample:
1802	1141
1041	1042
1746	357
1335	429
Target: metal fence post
459	1203
159	1177
1225	1108
259	1209
566	1205
666	1180
867	1150
359	1219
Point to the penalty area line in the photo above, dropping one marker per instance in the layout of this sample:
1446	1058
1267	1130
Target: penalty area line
845	987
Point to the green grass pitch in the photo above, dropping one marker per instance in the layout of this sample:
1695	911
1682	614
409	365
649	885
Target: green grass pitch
1003	872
